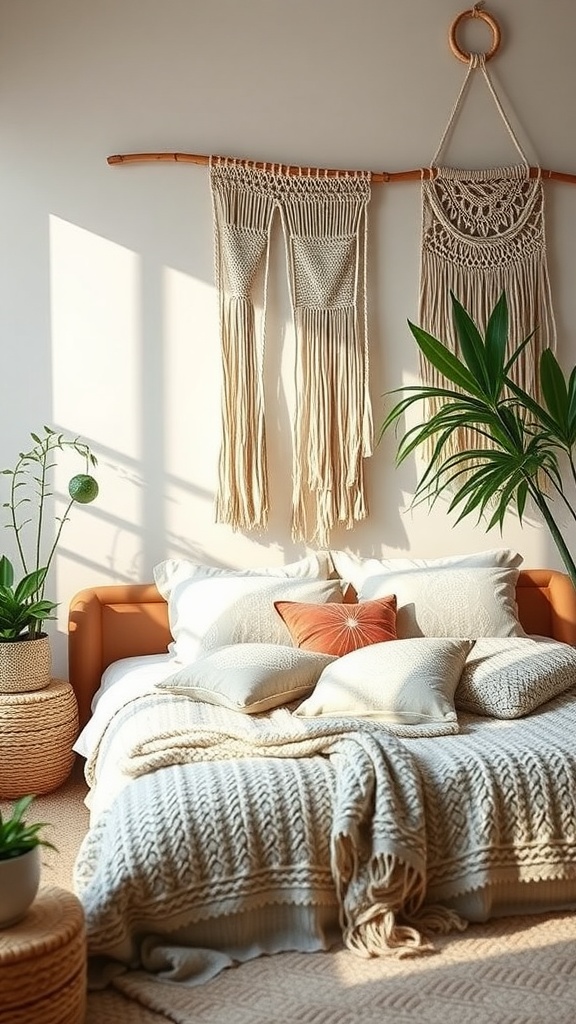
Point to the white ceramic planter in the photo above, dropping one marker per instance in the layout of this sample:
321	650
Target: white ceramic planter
19	881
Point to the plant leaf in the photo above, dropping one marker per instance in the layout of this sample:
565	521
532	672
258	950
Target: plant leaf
443	360
471	345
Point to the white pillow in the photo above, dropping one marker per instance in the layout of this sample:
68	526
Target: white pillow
214	611
174	570
407	684
466	602
512	677
355	569
249	677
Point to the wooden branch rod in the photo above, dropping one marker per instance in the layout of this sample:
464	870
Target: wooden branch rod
377	176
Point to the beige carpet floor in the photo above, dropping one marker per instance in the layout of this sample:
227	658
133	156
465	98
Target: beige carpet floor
516	971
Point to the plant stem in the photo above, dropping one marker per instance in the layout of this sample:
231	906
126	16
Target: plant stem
561	495
557	537
55	544
43	459
15	526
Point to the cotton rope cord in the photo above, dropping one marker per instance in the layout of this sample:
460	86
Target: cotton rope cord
483	233
477	60
324	220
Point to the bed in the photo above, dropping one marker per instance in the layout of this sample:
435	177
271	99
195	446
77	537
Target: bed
225	826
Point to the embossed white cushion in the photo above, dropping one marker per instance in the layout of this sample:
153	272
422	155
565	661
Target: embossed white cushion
407	684
355	569
175	570
453	601
509	678
210	612
249	678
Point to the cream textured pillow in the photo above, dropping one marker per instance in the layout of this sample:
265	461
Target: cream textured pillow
511	677
175	570
214	611
249	677
407	684
356	570
454	601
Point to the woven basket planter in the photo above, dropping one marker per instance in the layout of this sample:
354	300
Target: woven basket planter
25	664
43	963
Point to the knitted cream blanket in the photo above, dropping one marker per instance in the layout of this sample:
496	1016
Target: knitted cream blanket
375	822
224	807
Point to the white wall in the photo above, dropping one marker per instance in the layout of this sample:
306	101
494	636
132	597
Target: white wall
107	307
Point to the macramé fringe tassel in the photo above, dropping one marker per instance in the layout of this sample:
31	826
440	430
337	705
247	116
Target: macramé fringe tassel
242	499
333	425
529	305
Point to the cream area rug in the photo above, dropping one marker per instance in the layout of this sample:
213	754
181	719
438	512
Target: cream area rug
518	970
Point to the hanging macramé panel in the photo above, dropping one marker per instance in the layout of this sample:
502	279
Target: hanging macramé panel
325	226
483	233
243	205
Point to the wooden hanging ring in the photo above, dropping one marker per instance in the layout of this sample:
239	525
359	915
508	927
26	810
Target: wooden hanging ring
490	21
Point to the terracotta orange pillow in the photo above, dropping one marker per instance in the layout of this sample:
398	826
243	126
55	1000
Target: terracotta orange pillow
338	629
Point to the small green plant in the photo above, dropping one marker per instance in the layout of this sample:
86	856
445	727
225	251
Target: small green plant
19	607
23	607
16	835
520	440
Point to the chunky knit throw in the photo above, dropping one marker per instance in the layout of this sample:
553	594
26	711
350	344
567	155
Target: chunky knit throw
199	812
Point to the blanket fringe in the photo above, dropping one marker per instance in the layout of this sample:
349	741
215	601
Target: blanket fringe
438	920
376	929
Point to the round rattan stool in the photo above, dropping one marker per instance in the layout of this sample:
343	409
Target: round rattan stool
43	963
37	731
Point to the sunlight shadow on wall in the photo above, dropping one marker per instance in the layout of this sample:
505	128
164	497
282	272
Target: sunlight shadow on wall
95	298
96	335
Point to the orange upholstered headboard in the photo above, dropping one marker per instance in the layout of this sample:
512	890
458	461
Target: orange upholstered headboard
113	622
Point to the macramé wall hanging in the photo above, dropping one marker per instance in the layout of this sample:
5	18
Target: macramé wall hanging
482	232
325	229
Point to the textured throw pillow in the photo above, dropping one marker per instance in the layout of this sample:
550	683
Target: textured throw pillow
509	678
452	601
214	611
356	570
407	684
250	678
339	628
175	570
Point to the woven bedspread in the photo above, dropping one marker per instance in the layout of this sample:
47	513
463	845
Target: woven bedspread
226	811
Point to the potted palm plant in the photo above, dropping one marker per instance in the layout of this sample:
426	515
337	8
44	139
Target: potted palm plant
20	844
516	447
25	655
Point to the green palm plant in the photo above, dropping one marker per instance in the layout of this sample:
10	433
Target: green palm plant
522	444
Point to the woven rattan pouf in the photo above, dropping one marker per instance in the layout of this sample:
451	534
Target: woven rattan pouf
37	731
43	963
